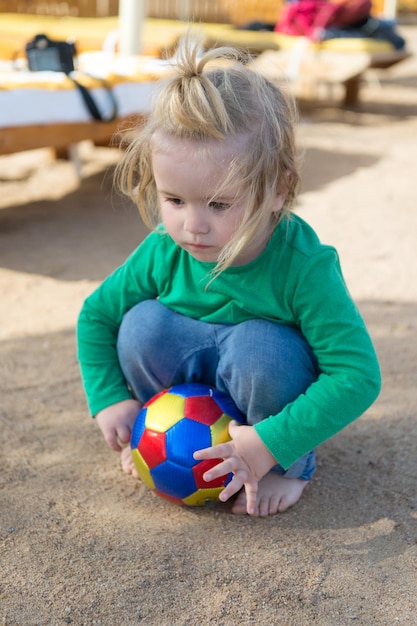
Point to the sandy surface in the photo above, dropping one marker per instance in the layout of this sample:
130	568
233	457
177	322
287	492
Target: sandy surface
81	542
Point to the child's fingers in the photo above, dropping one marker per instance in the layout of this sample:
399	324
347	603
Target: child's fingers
221	451
233	487
112	441
221	469
116	439
123	433
251	490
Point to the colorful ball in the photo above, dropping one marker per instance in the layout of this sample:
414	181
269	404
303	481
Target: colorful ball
169	429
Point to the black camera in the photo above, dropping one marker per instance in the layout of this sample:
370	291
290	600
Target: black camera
55	56
43	54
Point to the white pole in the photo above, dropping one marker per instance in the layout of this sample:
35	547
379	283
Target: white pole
131	19
184	12
390	9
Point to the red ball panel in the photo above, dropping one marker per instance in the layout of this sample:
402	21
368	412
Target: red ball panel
201	468
202	409
152	447
169	498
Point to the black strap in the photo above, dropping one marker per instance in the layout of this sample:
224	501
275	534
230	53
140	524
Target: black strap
90	103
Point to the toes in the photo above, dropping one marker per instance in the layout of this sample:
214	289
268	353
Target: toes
126	461
283	505
263	507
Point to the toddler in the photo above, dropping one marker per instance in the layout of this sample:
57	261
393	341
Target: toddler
230	288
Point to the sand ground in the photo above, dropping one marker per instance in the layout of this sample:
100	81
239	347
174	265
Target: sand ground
81	542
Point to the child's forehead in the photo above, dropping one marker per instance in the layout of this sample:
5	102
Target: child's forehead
215	165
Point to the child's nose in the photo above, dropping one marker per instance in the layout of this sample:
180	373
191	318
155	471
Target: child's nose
195	221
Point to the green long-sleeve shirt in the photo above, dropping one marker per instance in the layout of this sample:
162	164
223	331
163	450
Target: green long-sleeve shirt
296	281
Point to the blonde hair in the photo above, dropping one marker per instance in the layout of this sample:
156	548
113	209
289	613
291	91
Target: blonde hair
218	97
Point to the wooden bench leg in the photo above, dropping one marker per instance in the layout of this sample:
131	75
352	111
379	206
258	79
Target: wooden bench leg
61	152
70	153
352	87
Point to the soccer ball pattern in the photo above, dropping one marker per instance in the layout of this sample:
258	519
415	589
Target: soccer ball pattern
169	429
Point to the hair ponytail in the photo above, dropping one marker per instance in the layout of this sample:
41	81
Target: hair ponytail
191	103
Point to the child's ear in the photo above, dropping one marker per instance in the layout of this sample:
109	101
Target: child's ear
282	192
279	201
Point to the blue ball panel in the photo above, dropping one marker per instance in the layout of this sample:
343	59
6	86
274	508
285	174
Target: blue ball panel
228	406
184	438
138	428
192	389
173	480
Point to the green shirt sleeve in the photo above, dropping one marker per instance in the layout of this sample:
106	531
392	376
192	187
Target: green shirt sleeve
350	377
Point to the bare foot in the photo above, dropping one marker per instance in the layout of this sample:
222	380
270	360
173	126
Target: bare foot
275	495
126	461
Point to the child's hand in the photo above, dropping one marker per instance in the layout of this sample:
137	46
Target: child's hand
246	457
116	422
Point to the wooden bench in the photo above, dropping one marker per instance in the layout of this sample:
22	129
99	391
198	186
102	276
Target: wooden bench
90	33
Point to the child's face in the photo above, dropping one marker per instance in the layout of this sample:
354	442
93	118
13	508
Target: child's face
187	176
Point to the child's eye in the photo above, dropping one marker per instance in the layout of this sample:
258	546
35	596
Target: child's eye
174	201
219	206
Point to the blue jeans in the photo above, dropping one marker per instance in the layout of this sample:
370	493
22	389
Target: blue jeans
261	365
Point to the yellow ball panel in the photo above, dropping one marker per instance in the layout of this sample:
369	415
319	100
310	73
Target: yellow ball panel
200	497
220	430
142	469
164	412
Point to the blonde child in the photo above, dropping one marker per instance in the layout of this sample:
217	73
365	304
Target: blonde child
230	288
